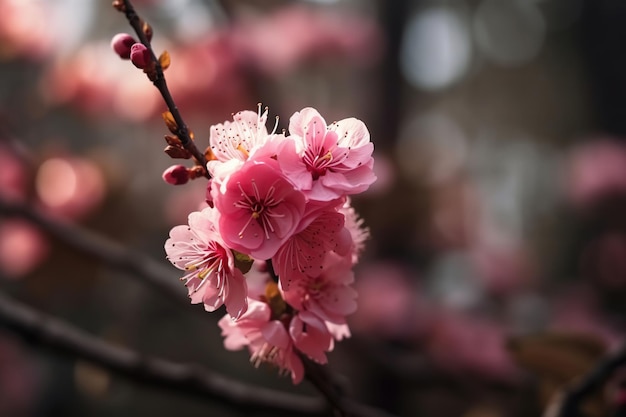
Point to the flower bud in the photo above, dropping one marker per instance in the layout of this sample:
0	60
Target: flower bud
122	43
140	56
176	175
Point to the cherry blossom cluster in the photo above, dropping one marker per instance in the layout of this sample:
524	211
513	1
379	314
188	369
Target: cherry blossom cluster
278	239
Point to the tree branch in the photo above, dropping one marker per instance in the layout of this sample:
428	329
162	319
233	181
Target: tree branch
38	328
574	396
109	252
149	271
158	79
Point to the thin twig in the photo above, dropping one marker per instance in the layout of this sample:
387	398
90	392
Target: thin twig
41	329
574	396
182	131
109	252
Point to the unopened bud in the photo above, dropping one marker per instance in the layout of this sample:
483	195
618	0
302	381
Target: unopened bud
140	56
176	175
122	44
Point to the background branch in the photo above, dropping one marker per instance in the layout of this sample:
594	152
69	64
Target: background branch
153	273
575	395
45	330
25	321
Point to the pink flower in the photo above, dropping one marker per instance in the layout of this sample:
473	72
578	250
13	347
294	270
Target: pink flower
358	232
311	336
22	248
267	340
304	253
295	35
237	139
327	162
211	277
596	169
259	209
329	296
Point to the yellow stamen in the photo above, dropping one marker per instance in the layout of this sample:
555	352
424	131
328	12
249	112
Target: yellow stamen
243	150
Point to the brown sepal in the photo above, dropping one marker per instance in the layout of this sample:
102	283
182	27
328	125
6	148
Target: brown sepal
168	118
119	5
165	60
147	30
196	172
173	140
177	152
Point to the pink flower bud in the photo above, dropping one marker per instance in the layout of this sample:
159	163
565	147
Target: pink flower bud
176	175
140	56
121	44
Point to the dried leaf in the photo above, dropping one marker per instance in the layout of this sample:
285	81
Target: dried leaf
561	356
558	359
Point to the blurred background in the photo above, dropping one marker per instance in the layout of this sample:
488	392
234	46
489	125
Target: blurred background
498	213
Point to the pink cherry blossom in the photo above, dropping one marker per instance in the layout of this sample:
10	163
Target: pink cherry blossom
327	162
211	277
311	336
304	253
260	209
329	296
267	339
236	139
357	231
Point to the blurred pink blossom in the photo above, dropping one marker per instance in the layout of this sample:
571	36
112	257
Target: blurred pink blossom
24	30
69	187
99	86
578	310
596	169
503	269
22	248
278	43
13	176
388	304
465	345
